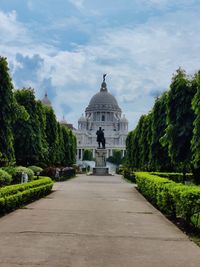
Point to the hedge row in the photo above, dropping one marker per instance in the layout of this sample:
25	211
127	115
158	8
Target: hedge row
16	173
175	176
127	172
174	199
14	196
5	178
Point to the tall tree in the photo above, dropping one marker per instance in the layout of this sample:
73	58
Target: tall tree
129	154
41	113
6	114
87	155
72	140
60	150
159	159
51	134
144	141
195	144
180	118
27	134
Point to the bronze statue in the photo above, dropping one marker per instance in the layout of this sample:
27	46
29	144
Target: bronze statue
100	138
104	76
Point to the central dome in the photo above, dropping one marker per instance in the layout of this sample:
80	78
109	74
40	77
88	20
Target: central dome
103	101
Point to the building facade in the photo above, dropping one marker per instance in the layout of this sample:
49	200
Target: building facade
103	111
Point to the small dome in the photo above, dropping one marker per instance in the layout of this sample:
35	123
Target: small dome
82	119
46	101
124	119
63	121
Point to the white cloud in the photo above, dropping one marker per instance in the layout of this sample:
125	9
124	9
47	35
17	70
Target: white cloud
139	60
10	28
77	3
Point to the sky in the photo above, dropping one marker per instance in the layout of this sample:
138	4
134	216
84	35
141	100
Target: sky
63	47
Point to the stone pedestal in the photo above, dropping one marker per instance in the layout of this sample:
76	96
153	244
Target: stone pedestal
100	162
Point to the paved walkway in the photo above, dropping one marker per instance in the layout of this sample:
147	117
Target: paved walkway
93	221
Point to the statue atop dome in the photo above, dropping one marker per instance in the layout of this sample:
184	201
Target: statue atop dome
104	85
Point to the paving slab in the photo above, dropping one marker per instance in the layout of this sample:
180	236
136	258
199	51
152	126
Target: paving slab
93	221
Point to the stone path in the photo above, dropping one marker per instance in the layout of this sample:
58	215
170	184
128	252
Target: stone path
93	221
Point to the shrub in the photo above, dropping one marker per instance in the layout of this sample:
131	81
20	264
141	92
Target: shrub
66	173
14	196
178	200
174	176
129	174
5	178
35	169
50	172
18	173
120	169
9	169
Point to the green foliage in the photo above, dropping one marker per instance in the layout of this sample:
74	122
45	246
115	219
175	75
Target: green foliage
51	134
175	176
50	172
5	178
128	174
178	200
87	155
138	144
14	196
161	141
27	133
17	173
60	153
180	118
144	140
9	169
195	144
35	169
116	158
40	138
72	148
7	114
66	173
44	147
29	130
159	159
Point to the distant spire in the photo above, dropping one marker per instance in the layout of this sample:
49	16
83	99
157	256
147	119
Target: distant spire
46	100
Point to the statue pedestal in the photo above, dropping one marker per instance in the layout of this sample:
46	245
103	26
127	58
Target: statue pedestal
100	162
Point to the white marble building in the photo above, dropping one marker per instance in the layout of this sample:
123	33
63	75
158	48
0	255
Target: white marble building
103	111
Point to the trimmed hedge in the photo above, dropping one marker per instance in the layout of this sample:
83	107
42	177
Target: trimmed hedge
35	169
14	196
128	173
5	178
174	176
174	199
16	173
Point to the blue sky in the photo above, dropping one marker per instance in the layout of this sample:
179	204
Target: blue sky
63	47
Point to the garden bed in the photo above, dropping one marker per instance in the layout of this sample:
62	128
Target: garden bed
15	196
